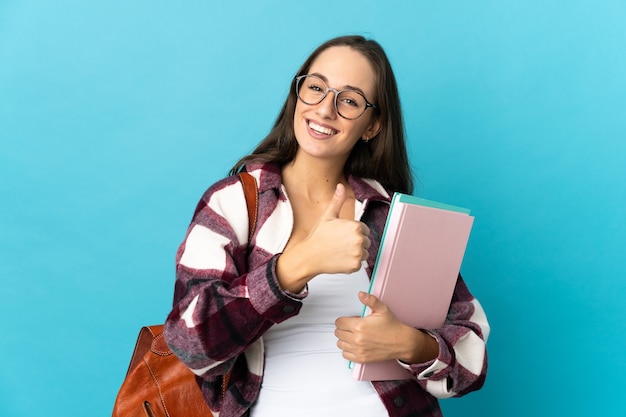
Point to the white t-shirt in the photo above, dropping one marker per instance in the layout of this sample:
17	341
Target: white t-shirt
305	374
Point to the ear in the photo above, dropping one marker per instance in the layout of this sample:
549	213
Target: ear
373	129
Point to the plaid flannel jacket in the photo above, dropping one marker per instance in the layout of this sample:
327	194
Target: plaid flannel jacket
227	295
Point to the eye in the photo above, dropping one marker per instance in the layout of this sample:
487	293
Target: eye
350	102
315	87
351	99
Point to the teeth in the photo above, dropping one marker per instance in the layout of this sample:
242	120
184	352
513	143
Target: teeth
321	129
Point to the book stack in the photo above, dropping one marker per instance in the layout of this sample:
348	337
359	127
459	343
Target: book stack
416	269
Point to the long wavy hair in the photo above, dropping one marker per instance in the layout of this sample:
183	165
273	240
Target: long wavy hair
384	158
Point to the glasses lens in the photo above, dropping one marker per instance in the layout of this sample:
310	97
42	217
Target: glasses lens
311	89
350	104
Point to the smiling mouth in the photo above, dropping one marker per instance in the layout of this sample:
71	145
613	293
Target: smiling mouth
321	129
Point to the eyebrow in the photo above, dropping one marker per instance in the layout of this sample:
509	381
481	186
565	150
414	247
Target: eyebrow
345	87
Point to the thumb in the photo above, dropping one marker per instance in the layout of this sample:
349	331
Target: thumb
334	207
371	302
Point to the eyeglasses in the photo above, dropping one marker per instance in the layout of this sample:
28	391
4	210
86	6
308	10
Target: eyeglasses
349	104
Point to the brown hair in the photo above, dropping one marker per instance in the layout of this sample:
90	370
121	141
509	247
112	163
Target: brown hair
384	158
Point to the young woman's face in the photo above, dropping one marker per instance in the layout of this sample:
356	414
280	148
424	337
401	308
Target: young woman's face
319	130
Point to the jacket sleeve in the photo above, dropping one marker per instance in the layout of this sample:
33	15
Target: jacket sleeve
220	307
461	366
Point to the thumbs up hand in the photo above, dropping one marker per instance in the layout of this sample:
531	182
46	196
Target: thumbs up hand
338	245
334	245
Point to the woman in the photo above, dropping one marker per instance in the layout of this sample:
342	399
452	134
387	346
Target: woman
281	313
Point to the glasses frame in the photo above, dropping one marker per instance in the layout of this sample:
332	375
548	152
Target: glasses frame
334	90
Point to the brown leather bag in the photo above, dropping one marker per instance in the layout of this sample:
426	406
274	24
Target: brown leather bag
157	383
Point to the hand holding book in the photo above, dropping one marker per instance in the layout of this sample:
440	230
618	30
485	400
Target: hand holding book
380	336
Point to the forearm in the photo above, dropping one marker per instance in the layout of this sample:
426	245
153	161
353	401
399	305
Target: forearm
417	347
293	269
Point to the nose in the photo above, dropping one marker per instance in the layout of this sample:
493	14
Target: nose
326	108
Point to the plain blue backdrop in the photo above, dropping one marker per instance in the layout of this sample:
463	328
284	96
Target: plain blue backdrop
115	116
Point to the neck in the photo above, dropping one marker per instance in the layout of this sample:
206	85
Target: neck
315	180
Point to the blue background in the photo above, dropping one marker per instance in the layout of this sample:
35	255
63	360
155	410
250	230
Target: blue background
115	116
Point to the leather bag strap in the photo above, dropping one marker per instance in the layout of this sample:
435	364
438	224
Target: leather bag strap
144	343
252	200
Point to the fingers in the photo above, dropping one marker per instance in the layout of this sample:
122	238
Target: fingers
354	343
371	338
365	231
